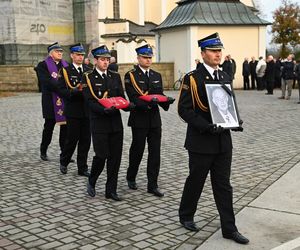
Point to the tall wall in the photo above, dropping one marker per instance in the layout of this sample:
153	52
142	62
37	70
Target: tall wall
22	78
180	46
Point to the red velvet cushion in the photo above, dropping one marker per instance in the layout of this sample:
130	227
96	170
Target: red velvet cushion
117	102
148	98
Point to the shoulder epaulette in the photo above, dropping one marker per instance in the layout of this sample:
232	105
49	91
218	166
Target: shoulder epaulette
135	85
112	72
88	72
191	72
89	84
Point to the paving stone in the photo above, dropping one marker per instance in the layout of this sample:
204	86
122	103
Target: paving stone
42	209
5	242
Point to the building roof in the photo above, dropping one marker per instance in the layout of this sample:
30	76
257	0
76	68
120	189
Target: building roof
211	12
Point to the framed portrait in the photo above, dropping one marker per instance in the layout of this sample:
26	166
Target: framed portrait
222	104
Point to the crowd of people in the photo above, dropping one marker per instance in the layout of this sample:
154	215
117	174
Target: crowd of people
87	102
72	97
272	73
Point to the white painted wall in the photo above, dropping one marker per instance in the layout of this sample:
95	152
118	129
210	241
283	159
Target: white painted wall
174	47
180	46
262	41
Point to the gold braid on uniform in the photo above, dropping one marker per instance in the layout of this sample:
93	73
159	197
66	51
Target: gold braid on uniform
195	95
92	91
65	74
136	87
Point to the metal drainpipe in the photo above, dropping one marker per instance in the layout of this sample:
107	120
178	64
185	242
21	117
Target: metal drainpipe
158	46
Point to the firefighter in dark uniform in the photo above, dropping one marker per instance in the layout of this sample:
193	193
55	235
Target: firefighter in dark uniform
144	120
76	112
106	123
55	52
209	146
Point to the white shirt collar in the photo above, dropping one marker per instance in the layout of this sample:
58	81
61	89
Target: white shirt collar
101	72
210	69
144	71
77	66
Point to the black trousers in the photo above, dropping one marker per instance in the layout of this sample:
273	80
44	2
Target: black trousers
78	134
277	82
139	136
253	79
260	83
219	166
47	135
270	86
246	82
108	148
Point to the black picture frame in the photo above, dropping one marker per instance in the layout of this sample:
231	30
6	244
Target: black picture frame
222	104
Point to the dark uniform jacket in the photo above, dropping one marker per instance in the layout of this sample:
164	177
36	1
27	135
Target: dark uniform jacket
144	115
48	85
75	107
198	138
100	121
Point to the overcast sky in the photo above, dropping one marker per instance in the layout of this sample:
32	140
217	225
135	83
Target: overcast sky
268	7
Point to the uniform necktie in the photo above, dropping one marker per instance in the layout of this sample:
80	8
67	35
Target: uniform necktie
147	79
215	75
104	76
80	73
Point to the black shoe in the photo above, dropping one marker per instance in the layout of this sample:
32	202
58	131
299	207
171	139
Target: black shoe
156	192
91	190
268	93
44	157
63	169
132	185
237	237
72	161
298	102
84	173
113	196
190	225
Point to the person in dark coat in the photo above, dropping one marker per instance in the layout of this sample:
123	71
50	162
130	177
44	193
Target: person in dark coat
209	147
198	63
270	75
106	123
87	62
287	77
252	65
227	67
113	66
47	82
297	73
145	121
78	127
233	63
277	83
246	73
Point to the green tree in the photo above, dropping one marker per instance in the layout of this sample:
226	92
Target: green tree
286	26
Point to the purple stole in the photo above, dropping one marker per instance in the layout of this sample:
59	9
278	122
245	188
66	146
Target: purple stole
58	103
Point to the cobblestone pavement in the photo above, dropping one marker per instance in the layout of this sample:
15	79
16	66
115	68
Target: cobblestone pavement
42	209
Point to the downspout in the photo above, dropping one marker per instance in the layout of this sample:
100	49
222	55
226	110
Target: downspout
158	46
